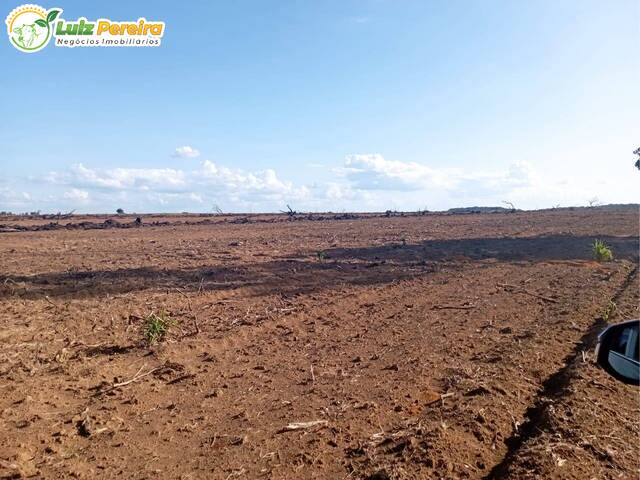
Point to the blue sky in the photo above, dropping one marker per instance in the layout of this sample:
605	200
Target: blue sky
328	105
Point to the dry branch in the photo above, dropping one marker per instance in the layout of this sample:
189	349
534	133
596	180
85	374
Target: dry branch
516	289
301	425
453	307
46	297
135	378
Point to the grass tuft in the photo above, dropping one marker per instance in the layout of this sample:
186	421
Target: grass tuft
602	252
157	326
609	311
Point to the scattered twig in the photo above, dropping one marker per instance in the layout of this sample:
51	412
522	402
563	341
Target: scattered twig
446	395
46	297
601	385
181	378
195	316
516	289
301	425
453	307
195	324
179	290
440	398
135	378
236	473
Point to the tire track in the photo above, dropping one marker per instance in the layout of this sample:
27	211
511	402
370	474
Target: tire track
553	389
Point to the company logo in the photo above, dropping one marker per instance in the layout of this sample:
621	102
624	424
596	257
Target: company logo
30	27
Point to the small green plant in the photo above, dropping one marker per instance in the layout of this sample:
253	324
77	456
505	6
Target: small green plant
609	310
322	256
156	326
602	252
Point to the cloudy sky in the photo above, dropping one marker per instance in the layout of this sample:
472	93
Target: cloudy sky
363	105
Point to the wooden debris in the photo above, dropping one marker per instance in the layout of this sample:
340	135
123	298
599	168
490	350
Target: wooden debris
453	307
181	378
302	425
516	289
135	378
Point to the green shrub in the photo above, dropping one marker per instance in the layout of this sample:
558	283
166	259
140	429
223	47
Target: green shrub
601	252
157	326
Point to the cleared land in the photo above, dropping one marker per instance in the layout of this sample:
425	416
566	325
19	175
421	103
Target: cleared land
434	346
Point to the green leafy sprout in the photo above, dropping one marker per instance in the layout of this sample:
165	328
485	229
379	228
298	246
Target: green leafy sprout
157	326
602	252
609	311
51	16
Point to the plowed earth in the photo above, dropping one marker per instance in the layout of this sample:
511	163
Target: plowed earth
435	346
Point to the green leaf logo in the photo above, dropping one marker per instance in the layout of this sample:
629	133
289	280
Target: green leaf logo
30	27
51	16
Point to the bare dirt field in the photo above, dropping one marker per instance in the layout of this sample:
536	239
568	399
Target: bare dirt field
322	346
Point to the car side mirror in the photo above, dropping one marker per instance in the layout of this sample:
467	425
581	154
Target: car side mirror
618	351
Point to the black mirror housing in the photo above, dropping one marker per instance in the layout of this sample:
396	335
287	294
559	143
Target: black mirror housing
617	351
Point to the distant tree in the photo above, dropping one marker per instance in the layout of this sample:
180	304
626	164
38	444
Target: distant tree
594	202
637	152
120	211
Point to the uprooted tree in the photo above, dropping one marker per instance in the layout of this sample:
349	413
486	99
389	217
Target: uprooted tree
510	205
290	211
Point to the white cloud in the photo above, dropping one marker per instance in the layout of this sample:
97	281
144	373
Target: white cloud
364	182
374	172
208	176
12	198
337	191
412	185
207	184
265	182
76	194
186	151
120	178
196	197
